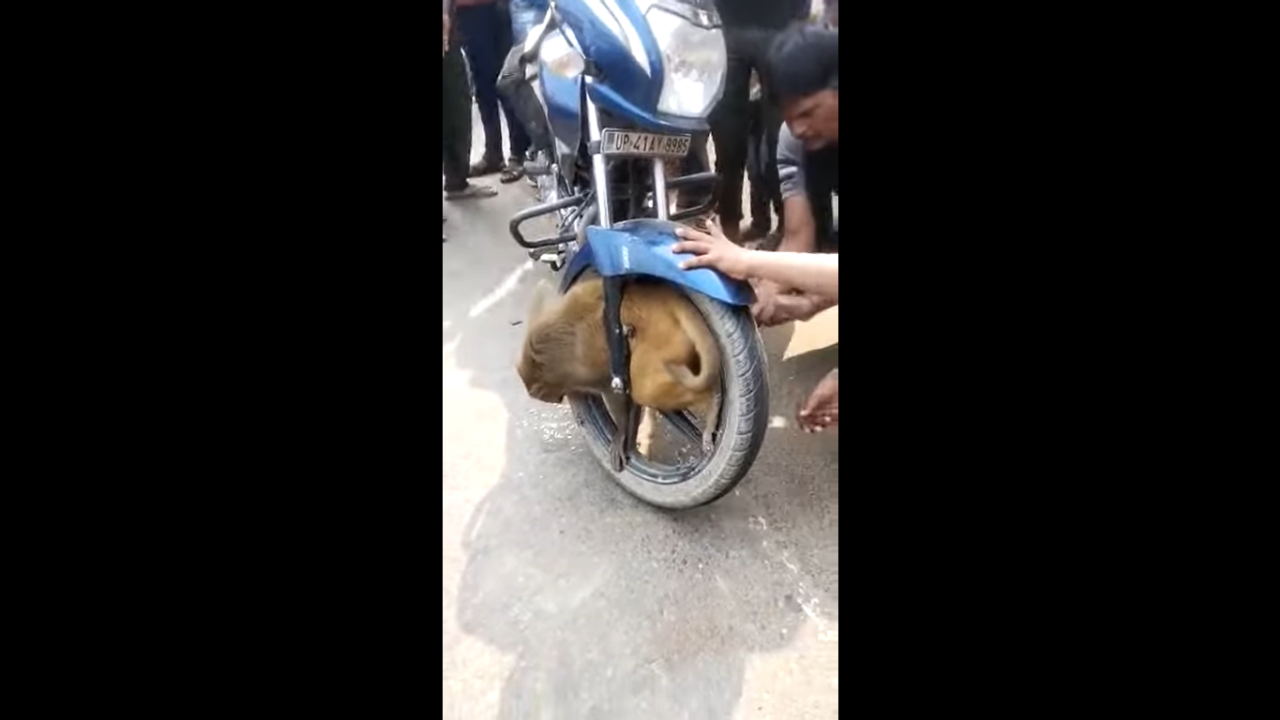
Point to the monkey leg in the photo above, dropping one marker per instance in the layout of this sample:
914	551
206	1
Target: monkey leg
710	417
646	432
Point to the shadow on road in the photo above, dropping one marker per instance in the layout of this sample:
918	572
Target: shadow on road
613	609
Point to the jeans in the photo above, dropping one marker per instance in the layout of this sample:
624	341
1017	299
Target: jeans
486	37
524	15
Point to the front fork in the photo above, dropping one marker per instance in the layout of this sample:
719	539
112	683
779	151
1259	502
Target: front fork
617	335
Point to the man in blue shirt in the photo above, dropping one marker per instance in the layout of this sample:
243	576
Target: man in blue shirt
524	15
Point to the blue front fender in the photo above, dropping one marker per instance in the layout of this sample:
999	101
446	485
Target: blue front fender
643	247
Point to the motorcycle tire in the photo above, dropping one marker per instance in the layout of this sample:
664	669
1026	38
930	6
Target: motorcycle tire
743	420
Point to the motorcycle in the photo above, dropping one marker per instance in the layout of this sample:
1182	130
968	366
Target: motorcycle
626	85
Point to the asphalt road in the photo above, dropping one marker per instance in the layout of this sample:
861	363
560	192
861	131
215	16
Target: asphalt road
564	597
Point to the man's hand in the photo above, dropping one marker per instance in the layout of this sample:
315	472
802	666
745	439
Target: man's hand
446	35
773	307
712	250
766	292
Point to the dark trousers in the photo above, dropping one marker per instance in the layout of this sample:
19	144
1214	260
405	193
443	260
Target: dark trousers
821	184
486	36
758	168
456	119
747	49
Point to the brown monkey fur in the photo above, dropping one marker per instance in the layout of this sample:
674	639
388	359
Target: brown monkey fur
675	363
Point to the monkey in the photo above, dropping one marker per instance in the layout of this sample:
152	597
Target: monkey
675	362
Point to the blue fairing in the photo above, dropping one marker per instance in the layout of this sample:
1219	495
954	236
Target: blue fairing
593	25
563	98
630	90
643	247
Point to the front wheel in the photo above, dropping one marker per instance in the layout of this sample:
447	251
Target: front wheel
740	429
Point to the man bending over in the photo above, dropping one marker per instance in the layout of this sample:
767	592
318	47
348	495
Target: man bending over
804	65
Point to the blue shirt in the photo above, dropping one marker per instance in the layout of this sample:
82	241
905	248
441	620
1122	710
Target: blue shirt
524	15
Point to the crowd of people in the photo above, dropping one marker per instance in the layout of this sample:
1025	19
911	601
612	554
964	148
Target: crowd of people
777	123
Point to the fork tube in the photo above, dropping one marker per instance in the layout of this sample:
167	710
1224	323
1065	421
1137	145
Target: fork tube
660	188
598	170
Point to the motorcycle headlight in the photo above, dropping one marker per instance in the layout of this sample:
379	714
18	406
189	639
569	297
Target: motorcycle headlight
693	61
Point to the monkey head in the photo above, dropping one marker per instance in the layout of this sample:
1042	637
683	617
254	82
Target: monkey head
537	380
538	365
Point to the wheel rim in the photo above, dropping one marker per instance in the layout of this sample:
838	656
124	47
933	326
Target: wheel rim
598	423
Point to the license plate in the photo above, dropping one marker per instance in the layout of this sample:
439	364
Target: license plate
642	144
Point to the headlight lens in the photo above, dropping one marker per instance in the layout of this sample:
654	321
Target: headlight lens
693	61
559	57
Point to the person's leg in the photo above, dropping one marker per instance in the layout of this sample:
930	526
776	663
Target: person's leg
730	134
772	190
456	120
523	101
456	129
519	142
761	222
771	118
771	123
479	27
517	138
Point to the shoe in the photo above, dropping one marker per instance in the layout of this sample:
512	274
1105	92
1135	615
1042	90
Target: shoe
472	190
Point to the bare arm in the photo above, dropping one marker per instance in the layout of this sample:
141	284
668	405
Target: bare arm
807	272
818	274
798	232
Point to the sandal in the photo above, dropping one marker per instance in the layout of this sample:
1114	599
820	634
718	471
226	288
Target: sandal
512	172
484	167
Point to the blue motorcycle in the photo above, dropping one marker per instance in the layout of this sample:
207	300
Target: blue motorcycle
626	86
